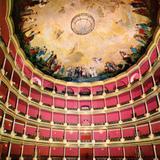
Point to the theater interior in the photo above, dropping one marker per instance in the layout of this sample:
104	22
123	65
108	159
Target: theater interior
79	80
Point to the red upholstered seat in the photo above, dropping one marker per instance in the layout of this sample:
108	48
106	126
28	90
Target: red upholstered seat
101	152
28	150
72	136
72	104
35	95
97	90
8	69
72	119
16	149
3	92
136	92
148	84
124	98
98	103
110	87
140	110
157	77
129	133
58	118
143	130
99	119
27	72
154	56
122	83
57	151
19	62
31	131
155	127
113	117
22	107
8	123
126	114
152	104
43	151
4	149
147	151
44	133
131	151
19	128
12	100
158	150
72	152
46	115
116	152
16	80
12	49
111	101
48	85
47	100
144	67
86	136
114	134
100	135
33	112
25	88
59	103
57	135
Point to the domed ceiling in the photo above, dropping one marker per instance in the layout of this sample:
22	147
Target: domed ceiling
83	40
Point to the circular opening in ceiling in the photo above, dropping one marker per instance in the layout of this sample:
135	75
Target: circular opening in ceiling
82	24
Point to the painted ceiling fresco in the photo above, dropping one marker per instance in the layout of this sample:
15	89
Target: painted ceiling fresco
83	40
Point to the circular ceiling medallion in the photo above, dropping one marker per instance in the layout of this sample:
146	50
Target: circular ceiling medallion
82	24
